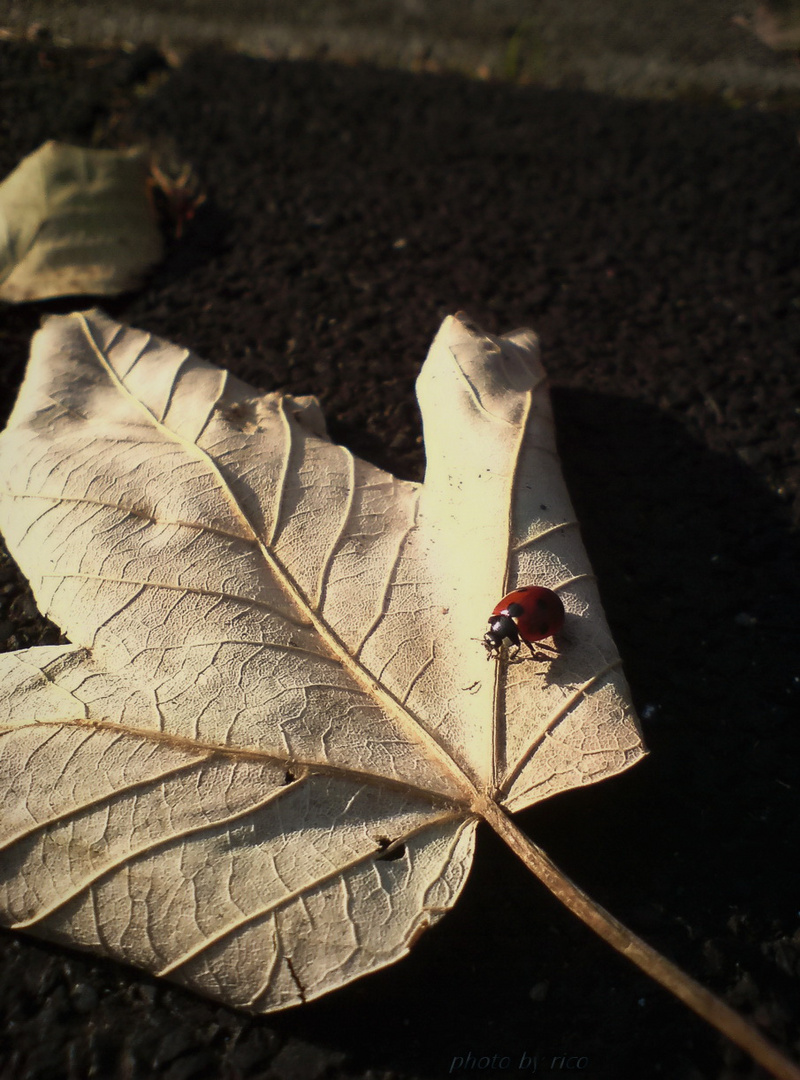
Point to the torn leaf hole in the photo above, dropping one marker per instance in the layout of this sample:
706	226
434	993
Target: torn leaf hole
390	849
289	777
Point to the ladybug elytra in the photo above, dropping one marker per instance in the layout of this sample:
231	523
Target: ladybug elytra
528	614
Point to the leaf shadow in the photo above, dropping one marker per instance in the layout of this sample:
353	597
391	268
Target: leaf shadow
691	849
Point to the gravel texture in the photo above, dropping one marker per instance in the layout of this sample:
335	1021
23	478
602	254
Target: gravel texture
654	247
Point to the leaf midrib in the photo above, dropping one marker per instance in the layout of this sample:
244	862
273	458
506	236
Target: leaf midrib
209	750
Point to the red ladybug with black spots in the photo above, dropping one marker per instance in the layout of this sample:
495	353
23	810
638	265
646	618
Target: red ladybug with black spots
528	614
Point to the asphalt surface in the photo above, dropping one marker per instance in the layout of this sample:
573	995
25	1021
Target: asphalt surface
653	246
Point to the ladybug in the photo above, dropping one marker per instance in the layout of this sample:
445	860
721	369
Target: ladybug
530	613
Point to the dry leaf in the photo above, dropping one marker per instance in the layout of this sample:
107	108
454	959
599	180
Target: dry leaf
76	221
776	24
257	767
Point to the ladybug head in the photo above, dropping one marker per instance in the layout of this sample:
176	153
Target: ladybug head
501	628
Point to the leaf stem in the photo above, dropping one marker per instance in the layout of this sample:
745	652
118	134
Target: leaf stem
721	1016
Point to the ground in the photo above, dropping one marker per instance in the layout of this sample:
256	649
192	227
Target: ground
653	246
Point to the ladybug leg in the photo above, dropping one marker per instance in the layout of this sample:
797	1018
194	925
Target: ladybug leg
540	656
495	652
513	636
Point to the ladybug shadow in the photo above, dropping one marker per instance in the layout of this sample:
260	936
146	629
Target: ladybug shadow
550	667
554	663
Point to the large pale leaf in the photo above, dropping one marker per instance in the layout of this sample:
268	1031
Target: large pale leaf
258	767
76	221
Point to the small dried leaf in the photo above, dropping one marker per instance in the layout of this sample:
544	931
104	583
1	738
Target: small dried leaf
259	766
76	221
777	24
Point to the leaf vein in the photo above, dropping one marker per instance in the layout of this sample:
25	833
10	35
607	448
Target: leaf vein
123	863
348	510
146	515
284	477
218	594
88	804
296	894
554	720
531	541
389	580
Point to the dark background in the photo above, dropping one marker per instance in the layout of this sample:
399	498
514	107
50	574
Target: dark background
654	247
